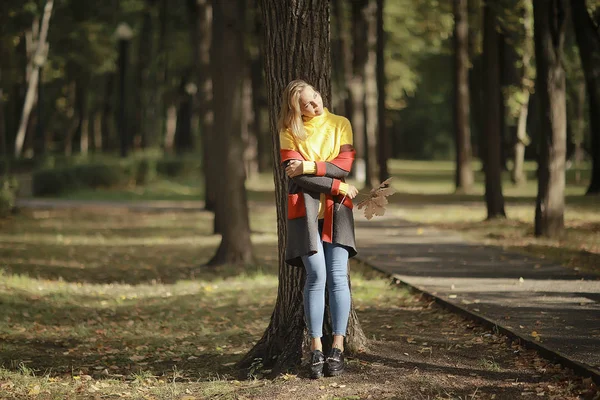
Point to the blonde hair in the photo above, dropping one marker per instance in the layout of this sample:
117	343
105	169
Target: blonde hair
290	115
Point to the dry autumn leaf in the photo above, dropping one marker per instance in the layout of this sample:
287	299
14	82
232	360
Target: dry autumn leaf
375	203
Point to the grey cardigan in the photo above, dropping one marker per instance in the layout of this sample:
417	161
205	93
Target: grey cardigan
303	211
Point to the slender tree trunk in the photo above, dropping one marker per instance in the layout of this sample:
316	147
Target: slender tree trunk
549	31
382	136
345	56
3	145
143	88
260	128
202	16
491	139
371	96
522	140
357	88
33	78
108	133
587	33
579	133
171	127
82	129
229	74
290	54
249	135
183	130
97	132
462	123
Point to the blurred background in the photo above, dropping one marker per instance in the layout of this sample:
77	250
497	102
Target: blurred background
113	100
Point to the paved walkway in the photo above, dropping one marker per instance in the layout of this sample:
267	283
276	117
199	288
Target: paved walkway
550	307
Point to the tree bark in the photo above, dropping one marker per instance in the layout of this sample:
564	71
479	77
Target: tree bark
202	19
522	140
462	123
345	56
228	71
491	139
382	134
371	96
249	135
549	32
183	131
36	63
357	88
290	54
145	89
587	34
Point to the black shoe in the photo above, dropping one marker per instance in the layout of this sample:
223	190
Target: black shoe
335	362
317	359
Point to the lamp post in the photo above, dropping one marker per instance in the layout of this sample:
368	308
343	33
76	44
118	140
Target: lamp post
124	35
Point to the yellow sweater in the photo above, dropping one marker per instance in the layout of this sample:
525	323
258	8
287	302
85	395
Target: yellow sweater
325	134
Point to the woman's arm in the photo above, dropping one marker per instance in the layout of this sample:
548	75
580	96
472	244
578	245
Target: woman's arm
319	184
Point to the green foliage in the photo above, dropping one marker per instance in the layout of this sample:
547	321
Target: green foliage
414	30
50	181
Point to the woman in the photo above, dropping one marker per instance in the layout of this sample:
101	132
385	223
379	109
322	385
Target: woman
317	153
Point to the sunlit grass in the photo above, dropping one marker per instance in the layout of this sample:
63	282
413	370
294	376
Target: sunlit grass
107	318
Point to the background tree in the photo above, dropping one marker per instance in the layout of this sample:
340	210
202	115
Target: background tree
227	56
549	30
587	32
464	172
291	54
491	140
382	133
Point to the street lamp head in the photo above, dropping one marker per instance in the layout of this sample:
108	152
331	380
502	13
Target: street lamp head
123	31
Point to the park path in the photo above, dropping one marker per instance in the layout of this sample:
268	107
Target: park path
550	307
547	306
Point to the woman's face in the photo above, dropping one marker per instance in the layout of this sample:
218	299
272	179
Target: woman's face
311	102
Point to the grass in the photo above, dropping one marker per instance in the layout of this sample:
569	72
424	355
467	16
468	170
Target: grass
122	296
109	303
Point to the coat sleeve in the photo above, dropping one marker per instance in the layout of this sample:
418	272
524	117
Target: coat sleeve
319	184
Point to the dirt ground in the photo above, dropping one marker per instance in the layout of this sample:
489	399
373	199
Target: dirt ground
418	350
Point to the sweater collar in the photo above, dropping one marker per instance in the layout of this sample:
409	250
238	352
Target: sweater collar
317	120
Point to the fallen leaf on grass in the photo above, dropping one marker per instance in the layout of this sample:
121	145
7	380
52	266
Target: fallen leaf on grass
34	390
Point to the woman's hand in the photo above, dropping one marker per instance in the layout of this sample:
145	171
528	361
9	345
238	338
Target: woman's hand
294	168
352	191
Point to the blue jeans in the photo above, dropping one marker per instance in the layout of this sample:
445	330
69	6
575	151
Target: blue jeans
329	265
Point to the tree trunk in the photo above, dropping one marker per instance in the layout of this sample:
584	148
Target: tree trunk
549	32
228	73
357	88
183	131
263	141
382	136
170	128
464	172
202	20
290	54
249	135
3	152
371	97
143	87
587	33
40	55
345	56
491	140
522	140
109	142
82	129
